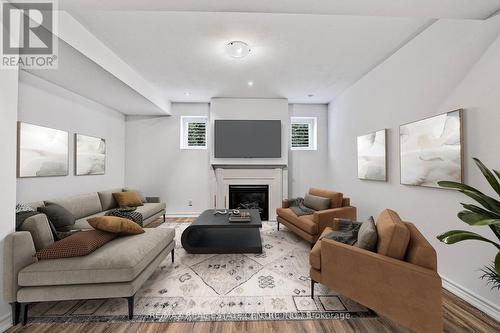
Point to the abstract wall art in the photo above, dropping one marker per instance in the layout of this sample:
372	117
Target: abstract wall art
432	150
90	155
41	151
372	156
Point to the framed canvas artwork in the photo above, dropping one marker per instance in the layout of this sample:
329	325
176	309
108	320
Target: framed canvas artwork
432	150
90	155
41	151
372	156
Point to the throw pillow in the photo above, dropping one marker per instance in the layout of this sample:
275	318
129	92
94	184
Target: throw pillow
60	217
76	245
367	235
116	225
141	195
128	199
316	203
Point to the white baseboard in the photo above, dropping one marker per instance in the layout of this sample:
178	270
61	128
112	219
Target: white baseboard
182	214
5	322
475	300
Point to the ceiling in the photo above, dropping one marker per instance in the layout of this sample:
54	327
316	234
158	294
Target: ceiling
292	56
306	51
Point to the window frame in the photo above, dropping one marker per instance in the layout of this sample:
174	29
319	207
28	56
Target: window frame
184	123
312	131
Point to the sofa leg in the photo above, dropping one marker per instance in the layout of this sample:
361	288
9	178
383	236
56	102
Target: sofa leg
278	226
164	218
312	288
24	313
15	313
173	255
130	301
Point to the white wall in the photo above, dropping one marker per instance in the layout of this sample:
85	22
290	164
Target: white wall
436	72
156	164
8	115
43	103
309	168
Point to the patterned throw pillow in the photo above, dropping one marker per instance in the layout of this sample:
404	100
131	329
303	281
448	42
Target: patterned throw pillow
76	245
21	208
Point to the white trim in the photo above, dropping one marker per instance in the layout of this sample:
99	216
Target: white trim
183	214
5	322
472	298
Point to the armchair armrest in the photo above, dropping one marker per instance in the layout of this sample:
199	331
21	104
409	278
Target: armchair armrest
19	252
324	218
285	204
153	199
402	291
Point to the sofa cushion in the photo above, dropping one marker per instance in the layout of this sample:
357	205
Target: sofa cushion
39	228
367	235
141	195
120	260
150	209
420	252
304	222
315	254
316	203
80	205
60	217
393	235
107	199
76	245
128	199
116	225
335	197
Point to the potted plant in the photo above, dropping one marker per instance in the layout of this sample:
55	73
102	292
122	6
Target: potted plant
485	215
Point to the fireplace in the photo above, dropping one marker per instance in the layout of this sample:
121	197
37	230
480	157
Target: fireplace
250	197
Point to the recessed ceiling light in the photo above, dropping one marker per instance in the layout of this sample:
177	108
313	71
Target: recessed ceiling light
187	93
237	49
250	83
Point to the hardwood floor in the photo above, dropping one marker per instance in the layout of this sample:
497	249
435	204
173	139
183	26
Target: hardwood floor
458	317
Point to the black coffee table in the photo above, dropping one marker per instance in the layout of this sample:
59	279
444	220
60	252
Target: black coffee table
215	234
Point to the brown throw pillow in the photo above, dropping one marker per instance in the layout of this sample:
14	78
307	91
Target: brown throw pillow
76	245
128	199
116	225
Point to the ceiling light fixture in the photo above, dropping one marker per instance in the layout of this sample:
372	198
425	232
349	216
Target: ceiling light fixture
250	83
237	49
187	93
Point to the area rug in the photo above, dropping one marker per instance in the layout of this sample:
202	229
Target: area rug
273	285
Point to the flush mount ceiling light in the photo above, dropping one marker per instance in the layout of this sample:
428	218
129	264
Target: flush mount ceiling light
237	49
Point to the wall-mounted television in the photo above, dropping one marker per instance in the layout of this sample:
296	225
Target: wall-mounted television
247	139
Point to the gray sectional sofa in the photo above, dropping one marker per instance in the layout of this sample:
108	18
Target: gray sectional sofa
117	269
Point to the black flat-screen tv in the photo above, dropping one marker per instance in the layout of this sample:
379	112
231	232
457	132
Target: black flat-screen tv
247	139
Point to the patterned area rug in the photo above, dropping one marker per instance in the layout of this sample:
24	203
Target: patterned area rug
274	285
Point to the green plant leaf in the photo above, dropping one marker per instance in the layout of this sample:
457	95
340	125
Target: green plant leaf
455	236
497	263
486	201
490	177
497	173
458	186
475	219
479	210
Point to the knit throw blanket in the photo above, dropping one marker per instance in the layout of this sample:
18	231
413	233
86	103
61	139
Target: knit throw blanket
131	215
298	207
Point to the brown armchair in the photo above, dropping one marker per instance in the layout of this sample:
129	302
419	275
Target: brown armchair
399	281
311	226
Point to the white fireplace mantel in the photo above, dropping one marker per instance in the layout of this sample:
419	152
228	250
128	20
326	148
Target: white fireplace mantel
273	177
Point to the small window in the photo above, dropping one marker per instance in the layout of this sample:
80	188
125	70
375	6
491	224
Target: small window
303	133
193	132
